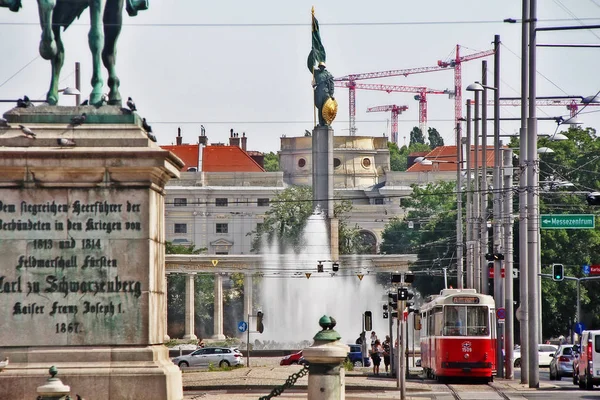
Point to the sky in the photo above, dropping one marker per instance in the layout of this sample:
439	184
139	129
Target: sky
242	65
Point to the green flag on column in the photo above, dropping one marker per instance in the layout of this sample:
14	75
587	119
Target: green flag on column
317	52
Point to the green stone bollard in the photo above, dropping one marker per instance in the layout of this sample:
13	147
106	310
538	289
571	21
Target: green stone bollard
326	355
53	389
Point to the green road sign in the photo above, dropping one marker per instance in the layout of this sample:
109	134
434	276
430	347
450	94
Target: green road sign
567	221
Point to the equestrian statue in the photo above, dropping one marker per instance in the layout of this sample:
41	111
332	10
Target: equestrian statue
106	18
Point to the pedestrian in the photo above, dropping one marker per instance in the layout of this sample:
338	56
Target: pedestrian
386	352
373	339
376	352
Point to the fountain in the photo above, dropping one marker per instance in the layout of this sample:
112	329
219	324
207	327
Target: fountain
292	303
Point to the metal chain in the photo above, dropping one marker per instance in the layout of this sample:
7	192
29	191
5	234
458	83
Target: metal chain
289	382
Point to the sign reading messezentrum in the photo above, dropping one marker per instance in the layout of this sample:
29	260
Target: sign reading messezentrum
567	221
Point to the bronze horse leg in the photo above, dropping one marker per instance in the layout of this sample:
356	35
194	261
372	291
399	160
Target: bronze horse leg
96	42
113	19
51	47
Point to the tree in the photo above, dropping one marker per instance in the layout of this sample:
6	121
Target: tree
432	215
435	139
416	136
397	162
286	218
271	162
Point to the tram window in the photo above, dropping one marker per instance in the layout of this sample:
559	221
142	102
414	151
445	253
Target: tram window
466	321
438	318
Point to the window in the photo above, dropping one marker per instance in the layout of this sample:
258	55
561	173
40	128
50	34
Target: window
336	163
180	202
463	320
366	162
180	228
222	228
263	202
378	200
221	202
301	163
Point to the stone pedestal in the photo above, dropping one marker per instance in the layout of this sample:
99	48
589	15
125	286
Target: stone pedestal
326	375
82	236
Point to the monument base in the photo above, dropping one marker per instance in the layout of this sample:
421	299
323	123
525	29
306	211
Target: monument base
83	246
95	373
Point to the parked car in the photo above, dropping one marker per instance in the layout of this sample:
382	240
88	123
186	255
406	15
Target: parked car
291	359
221	356
545	352
356	358
586	367
562	362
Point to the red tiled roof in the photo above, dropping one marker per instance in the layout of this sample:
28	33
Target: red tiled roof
444	159
228	159
187	152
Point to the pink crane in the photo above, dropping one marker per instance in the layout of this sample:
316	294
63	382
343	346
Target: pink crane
456	63
421	90
395	111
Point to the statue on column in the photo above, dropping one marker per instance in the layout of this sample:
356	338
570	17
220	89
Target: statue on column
322	82
106	18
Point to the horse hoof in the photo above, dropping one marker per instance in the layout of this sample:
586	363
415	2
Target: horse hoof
115	99
48	49
52	99
96	100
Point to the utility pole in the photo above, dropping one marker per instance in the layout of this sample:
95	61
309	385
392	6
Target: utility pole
532	207
497	210
476	202
523	222
509	334
459	219
484	195
469	201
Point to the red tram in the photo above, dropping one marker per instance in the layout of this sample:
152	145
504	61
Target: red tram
458	335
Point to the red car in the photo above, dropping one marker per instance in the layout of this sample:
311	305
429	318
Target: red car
292	359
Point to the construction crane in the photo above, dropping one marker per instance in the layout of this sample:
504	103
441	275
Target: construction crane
395	111
571	105
457	65
351	79
421	97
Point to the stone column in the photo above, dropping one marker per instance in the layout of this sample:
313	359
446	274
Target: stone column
326	377
247	296
218	322
167	337
189	308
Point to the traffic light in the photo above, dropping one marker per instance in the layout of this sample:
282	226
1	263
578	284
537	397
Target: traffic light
259	322
409	277
385	315
393	297
396	278
320	267
494	256
558	272
368	321
335	267
593	199
404	294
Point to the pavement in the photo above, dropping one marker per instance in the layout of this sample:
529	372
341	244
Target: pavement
266	374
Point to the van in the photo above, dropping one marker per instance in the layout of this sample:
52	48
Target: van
587	368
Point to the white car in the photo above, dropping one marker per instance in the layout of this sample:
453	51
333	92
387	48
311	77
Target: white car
216	356
545	352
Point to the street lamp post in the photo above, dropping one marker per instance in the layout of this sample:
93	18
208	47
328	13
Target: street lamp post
459	223
469	201
484	186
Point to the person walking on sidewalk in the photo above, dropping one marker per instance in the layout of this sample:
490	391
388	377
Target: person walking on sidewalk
376	353
386	352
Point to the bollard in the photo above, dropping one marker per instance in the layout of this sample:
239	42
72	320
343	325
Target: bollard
326	355
53	389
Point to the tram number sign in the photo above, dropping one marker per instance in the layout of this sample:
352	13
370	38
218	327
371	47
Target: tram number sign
465	300
501	314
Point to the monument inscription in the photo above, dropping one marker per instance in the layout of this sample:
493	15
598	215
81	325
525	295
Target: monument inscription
75	268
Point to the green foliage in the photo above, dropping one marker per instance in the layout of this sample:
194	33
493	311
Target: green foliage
348	365
287	217
399	157
271	162
416	136
435	139
432	211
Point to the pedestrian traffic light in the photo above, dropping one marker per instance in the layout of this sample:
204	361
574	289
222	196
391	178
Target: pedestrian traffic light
368	321
558	272
403	294
259	322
